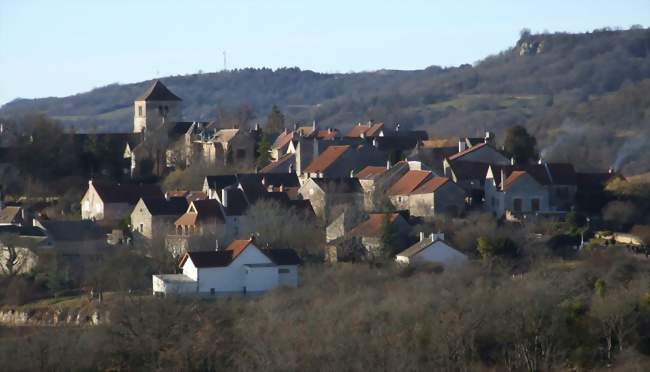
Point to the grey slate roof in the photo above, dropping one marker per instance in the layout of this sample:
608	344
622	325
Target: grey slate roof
62	231
165	207
158	92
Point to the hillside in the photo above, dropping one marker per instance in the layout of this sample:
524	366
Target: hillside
588	87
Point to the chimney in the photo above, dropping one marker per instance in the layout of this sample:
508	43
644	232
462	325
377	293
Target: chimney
438	236
397	127
359	124
610	170
252	238
313	125
375	143
512	160
281	188
363	135
488	136
329	130
224	197
461	145
421	235
351	173
216	245
387	164
503	178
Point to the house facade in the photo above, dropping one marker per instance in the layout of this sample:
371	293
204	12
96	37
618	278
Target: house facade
113	202
241	268
436	196
155	217
433	249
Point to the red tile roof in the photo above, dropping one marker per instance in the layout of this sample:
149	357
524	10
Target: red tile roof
512	178
372	226
282	140
358	130
431	185
375	130
409	182
327	134
269	168
326	159
370	172
467	151
238	246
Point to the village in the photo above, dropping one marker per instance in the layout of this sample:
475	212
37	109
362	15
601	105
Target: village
373	193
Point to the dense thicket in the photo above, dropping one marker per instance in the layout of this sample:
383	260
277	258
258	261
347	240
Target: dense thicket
584	314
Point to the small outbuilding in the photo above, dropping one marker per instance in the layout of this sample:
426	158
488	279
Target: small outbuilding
433	249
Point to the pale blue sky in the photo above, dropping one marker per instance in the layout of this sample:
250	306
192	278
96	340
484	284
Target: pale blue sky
58	48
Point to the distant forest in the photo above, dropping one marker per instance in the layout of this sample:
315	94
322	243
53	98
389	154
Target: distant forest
584	96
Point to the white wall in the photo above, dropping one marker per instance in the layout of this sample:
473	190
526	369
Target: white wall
259	279
437	252
289	279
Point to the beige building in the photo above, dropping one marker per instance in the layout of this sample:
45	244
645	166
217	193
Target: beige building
113	202
155	217
438	195
156	107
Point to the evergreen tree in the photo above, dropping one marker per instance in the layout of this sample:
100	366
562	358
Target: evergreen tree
275	120
263	152
519	144
389	238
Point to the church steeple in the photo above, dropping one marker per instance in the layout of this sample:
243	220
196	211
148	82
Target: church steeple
156	106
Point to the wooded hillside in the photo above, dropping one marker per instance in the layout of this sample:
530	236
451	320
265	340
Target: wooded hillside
591	88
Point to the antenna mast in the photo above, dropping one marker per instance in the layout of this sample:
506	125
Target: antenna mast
225	65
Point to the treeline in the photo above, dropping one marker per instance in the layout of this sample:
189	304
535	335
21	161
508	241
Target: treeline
584	314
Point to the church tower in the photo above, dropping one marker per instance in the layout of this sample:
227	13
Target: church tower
157	106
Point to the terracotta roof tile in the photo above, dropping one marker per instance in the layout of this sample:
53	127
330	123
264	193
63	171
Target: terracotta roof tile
431	185
370	172
372	226
282	140
409	182
467	151
326	159
282	160
238	246
512	178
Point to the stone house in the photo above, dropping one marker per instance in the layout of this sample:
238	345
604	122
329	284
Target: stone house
515	194
343	160
229	146
155	217
242	268
326	194
437	195
432	249
399	192
113	203
553	187
364	239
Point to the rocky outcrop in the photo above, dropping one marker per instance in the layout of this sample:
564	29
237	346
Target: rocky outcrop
51	317
530	47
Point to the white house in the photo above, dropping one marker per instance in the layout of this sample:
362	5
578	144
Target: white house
431	249
241	268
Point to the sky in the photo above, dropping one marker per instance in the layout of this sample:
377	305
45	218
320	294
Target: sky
64	47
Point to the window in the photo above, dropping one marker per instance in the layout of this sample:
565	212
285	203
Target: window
283	271
534	204
141	227
516	204
140	110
